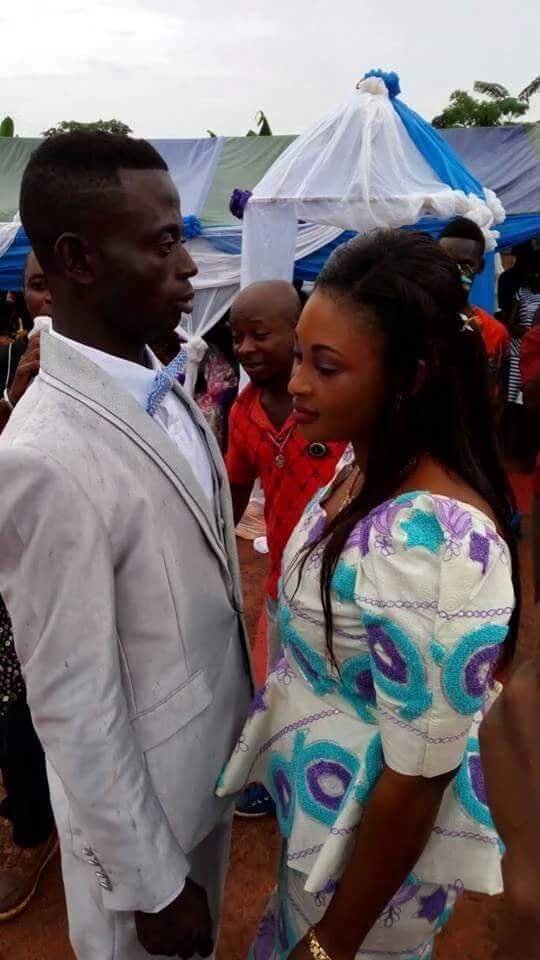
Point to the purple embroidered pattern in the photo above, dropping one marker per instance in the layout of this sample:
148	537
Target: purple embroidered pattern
383	519
317	529
465	835
423	733
477	778
321	896
405	894
433	905
455	522
391	663
308	852
263	948
479	550
257	704
315	774
479	670
291	727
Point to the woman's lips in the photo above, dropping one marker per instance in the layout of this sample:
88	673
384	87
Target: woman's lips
300	415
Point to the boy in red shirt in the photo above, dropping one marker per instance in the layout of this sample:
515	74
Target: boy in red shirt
264	443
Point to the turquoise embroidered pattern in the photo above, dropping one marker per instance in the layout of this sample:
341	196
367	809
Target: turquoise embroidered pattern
310	663
371	770
358	686
324	772
344	582
423	530
470	788
468	667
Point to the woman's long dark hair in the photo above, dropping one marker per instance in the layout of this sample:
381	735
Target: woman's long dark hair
413	294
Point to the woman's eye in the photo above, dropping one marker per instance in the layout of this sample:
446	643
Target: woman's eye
327	371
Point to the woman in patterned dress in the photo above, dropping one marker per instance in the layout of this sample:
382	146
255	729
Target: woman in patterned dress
399	599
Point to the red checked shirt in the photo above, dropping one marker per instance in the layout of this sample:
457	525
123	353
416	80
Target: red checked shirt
254	445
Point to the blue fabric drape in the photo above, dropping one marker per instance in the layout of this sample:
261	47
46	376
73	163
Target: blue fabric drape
12	263
439	154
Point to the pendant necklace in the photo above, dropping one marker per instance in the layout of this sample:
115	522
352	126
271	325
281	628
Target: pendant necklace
349	497
279	458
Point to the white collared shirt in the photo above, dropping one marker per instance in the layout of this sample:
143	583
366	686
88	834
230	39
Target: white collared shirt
171	414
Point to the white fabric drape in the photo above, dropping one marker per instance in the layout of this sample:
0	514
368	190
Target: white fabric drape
192	165
8	232
218	280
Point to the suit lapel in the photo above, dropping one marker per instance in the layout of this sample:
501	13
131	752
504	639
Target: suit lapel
70	371
222	482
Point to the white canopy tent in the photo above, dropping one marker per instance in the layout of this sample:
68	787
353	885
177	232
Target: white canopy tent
356	169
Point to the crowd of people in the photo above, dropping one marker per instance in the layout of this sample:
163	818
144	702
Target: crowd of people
130	727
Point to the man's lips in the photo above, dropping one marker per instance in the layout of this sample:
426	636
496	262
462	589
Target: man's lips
251	367
185	305
301	415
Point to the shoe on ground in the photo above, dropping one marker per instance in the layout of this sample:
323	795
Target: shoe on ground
20	870
255	801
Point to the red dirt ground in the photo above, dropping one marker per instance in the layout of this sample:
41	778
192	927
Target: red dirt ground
40	933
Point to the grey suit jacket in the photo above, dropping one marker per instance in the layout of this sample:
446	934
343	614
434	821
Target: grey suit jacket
124	591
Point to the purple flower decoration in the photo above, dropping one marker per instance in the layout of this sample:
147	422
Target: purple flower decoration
317	529
359	536
238	201
406	892
329	888
455	522
258	704
433	905
263	948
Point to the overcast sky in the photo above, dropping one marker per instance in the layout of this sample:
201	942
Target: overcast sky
172	68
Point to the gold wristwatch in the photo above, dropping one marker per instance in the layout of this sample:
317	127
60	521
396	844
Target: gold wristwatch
317	951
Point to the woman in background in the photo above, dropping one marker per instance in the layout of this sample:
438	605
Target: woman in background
399	599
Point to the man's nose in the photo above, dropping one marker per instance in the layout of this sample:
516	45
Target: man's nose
186	265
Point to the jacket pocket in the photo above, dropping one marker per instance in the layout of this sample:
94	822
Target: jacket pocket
154	726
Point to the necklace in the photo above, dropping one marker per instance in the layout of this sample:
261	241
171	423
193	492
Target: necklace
355	472
279	458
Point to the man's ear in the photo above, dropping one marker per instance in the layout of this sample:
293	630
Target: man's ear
74	258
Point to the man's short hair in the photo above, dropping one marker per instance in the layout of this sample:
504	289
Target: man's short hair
66	179
465	229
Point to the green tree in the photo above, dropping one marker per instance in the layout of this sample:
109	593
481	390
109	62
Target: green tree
262	123
495	107
7	127
73	126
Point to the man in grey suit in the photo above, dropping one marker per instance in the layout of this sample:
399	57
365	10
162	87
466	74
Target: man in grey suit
118	562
